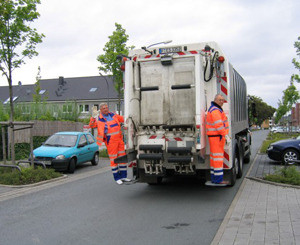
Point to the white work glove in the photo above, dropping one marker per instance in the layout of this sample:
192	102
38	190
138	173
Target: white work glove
227	138
95	113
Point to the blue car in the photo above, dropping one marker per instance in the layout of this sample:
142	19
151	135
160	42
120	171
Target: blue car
285	151
63	151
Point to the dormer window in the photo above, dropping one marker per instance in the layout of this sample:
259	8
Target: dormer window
7	100
42	91
93	89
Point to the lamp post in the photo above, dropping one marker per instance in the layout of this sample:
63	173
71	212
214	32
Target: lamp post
164	42
107	88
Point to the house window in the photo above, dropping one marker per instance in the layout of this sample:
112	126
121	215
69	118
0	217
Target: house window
93	89
42	91
84	108
97	106
67	108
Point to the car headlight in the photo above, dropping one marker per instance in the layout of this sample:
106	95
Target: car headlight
60	157
270	148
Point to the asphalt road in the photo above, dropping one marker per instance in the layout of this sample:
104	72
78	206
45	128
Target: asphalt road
94	210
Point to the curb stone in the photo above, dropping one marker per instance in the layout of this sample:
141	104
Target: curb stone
273	183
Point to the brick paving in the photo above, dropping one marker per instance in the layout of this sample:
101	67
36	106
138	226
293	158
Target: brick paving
262	213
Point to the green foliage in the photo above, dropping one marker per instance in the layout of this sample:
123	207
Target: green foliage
263	110
17	39
296	77
287	175
109	63
45	111
37	97
103	153
291	94
9	176
23	149
290	97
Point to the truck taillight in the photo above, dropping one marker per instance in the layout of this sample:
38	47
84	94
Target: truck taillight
122	67
221	59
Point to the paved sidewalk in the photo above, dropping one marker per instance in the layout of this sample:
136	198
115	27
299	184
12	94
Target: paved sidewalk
262	213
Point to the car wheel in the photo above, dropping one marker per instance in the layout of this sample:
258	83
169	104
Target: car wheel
72	166
289	156
95	159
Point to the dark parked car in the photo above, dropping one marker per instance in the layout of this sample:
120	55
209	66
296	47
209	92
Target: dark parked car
286	151
65	150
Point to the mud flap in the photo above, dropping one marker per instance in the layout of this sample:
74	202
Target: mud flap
129	157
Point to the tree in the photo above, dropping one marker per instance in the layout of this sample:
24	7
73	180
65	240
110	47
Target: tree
263	110
17	40
290	97
296	77
291	94
109	63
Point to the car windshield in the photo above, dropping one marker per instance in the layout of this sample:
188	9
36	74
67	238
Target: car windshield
61	140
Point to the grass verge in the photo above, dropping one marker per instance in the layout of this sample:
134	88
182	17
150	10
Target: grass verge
287	175
9	176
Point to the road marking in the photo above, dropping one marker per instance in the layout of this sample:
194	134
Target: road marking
26	190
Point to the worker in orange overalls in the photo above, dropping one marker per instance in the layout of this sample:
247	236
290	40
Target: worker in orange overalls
217	129
109	132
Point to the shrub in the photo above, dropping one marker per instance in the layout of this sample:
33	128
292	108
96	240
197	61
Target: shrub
29	175
103	153
22	150
287	175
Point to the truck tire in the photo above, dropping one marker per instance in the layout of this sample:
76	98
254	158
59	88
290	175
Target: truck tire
247	158
233	170
150	180
154	180
240	158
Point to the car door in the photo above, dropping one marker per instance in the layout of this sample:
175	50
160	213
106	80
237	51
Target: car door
93	147
83	150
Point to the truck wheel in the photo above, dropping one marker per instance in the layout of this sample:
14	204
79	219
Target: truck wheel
154	180
247	158
240	162
150	180
72	166
233	171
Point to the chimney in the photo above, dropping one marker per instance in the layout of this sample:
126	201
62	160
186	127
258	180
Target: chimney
61	81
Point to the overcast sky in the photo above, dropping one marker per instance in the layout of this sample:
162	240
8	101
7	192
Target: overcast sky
257	36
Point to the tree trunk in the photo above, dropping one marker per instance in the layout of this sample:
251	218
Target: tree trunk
11	120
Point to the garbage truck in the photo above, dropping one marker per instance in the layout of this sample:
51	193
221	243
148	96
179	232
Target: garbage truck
167	92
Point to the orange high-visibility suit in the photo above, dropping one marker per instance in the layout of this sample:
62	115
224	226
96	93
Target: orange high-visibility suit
216	127
109	132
